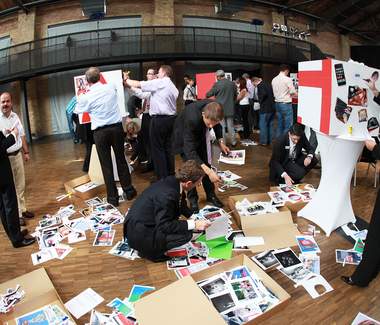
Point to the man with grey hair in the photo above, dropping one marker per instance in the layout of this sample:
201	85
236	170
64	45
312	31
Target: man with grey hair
101	102
225	92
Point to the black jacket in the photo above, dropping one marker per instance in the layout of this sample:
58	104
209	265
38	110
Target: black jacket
5	167
266	98
280	154
189	135
154	215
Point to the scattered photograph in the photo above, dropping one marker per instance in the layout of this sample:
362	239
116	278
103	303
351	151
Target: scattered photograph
36	317
306	196
265	260
296	273
122	249
287	189
307	244
178	258
347	257
294	197
214	286
248	312
311	262
223	303
286	257
234	157
43	255
372	124
76	236
212	216
238	273
362	114
86	212
104	238
277	197
93	201
357	96
244	290
86	187
235	234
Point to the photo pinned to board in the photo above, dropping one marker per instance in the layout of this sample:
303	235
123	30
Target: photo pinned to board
357	96
342	111
362	114
347	257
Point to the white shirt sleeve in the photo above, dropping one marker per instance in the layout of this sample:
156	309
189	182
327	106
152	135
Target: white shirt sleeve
140	94
151	85
82	105
190	224
292	90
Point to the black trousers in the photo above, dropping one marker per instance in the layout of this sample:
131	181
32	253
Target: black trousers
145	137
244	109
9	212
112	136
296	169
369	267
87	158
255	117
161	129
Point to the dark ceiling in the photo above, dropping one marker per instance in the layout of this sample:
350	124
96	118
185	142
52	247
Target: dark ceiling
359	17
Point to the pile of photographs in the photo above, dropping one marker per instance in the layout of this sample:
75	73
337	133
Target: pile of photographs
123	312
247	208
122	249
189	258
50	314
238	295
229	181
353	255
52	230
234	157
10	298
292	194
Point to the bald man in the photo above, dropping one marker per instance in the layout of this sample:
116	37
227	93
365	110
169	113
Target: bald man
17	153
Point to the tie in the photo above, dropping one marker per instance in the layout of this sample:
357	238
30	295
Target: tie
208	144
292	152
255	97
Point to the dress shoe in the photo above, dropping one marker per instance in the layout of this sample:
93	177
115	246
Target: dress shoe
22	222
130	194
215	201
24	232
28	215
24	242
348	280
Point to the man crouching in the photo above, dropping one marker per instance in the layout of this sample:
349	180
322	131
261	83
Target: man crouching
152	225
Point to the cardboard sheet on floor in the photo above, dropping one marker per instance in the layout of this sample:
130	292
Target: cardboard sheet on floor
39	292
183	302
277	229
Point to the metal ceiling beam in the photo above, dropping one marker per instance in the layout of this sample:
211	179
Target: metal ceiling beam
310	15
364	18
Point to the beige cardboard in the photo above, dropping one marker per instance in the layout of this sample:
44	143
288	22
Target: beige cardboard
182	302
71	185
39	292
277	229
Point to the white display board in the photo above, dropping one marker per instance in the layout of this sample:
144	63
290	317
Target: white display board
114	77
335	98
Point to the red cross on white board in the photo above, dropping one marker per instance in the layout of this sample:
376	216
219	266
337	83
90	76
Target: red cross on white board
320	79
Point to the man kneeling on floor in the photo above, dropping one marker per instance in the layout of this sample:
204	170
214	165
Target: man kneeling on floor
288	163
152	224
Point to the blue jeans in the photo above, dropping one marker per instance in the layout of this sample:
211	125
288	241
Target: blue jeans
266	127
284	117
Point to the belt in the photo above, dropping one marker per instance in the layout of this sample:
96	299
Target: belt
160	115
108	126
284	102
15	153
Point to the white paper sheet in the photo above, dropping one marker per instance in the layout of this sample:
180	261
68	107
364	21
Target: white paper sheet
83	303
218	228
248	241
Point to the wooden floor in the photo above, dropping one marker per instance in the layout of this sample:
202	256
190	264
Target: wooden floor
55	161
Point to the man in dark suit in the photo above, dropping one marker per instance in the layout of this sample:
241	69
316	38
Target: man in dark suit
152	226
8	197
267	110
191	139
288	164
225	92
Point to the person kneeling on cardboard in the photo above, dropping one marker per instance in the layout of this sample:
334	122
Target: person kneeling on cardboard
288	163
152	224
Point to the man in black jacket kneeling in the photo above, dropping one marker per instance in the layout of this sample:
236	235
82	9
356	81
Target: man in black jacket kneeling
152	224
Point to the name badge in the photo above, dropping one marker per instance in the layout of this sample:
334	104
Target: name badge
287	147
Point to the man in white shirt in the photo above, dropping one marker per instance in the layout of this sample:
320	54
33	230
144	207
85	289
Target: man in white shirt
145	118
253	116
18	153
283	90
163	111
101	103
